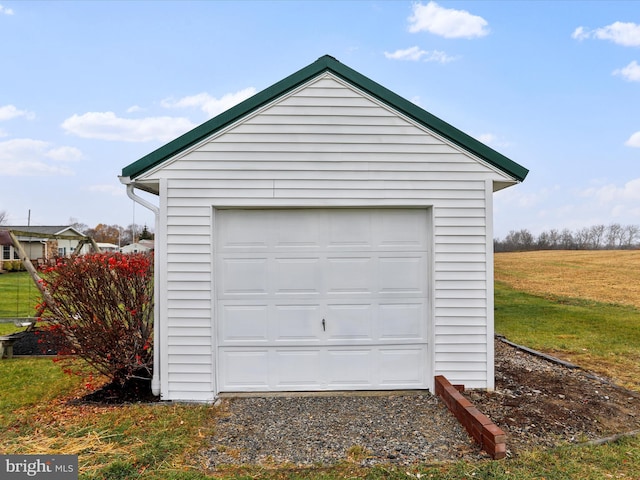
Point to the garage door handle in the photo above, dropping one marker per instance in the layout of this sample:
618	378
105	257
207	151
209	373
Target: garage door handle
324	329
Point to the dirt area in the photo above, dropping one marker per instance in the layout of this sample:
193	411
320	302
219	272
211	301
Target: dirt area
540	403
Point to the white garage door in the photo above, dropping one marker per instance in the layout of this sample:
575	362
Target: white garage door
330	299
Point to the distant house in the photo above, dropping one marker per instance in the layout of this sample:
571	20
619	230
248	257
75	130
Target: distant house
325	234
47	242
143	246
108	247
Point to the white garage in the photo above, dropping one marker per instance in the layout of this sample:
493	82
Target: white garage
322	299
325	234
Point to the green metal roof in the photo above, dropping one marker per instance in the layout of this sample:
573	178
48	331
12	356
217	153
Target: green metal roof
326	63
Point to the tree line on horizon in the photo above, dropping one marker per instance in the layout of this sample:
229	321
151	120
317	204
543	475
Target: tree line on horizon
597	237
115	234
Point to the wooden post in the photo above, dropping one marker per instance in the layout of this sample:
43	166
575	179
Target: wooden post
83	242
95	246
78	248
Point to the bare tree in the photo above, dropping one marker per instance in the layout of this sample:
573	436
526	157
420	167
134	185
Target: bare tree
582	238
597	235
566	240
631	235
4	216
613	235
79	226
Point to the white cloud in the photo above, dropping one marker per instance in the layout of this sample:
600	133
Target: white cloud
210	105
621	33
634	140
28	157
134	108
5	11
107	126
3	133
580	33
417	54
446	22
631	72
7	112
610	193
64	154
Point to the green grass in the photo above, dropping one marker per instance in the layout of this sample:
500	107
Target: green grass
601	337
18	295
125	441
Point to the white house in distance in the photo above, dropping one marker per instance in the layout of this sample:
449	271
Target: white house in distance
143	246
45	243
108	247
325	234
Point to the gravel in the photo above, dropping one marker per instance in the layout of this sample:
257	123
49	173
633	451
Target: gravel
365	429
536	402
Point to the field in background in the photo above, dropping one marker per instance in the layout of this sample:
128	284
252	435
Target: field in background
606	276
582	306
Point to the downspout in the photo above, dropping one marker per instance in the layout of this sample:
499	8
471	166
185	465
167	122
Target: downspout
155	378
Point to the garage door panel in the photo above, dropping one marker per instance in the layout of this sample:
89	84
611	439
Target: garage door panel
243	230
297	275
349	368
402	367
244	276
297	369
295	229
298	323
244	370
350	275
322	368
243	323
401	230
402	275
349	228
349	322
402	321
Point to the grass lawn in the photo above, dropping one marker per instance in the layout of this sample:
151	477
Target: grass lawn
601	337
581	306
18	295
18	298
162	441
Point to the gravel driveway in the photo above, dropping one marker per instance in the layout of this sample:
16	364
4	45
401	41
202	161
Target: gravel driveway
366	429
538	403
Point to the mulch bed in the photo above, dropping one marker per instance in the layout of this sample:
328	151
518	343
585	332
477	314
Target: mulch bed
44	342
37	342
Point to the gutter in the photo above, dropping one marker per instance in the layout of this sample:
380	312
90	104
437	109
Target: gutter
155	378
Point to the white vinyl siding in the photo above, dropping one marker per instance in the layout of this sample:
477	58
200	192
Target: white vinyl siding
327	145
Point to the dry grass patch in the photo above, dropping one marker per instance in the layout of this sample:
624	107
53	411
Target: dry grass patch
607	276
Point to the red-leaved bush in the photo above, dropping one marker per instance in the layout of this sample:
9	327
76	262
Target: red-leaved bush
104	311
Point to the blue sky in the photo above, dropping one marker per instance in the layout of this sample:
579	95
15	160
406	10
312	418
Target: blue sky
89	87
